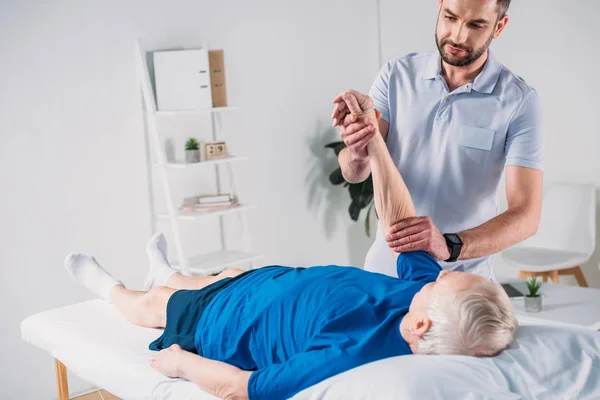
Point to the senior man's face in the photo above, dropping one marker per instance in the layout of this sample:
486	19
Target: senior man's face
447	282
465	29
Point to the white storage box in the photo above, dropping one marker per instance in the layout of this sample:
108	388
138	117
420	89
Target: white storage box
182	79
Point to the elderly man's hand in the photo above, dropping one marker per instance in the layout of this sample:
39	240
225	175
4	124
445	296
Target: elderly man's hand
354	112
418	233
168	361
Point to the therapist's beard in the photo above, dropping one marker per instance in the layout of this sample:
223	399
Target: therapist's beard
469	58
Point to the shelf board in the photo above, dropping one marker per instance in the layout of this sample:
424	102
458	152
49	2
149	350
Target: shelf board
183	165
199	111
217	261
192	216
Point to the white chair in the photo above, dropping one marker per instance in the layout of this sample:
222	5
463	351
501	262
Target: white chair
566	236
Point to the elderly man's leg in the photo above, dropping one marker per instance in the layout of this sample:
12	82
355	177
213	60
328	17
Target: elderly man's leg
180	281
162	274
148	309
141	308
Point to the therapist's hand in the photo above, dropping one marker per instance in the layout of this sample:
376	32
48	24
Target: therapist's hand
168	361
418	234
355	114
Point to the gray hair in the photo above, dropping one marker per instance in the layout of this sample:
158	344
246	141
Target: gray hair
478	322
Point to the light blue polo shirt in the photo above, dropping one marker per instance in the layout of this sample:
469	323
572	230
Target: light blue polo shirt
451	147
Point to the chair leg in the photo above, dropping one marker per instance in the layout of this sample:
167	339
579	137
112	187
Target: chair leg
579	276
524	275
554	275
62	384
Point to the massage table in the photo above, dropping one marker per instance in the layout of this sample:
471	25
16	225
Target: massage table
92	340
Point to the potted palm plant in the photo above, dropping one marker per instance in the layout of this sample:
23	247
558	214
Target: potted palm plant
192	151
533	300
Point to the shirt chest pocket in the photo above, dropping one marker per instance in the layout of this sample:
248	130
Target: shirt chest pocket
475	138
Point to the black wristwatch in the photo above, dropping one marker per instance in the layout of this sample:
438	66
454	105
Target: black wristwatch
454	244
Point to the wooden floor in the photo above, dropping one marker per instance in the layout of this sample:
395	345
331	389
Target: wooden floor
96	396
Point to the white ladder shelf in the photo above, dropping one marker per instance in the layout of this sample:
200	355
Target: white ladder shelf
208	263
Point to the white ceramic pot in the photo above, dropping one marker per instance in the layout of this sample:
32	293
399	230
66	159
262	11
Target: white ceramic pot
533	304
192	156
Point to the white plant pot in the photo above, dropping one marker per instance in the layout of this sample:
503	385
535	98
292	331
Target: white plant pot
533	304
192	156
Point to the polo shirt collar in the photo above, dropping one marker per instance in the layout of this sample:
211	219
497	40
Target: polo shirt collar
485	82
433	68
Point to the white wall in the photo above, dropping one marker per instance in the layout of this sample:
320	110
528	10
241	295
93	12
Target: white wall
72	155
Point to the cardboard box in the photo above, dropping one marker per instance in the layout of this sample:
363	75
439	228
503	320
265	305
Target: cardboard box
216	61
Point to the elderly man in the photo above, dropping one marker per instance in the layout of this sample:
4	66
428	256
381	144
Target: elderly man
453	121
272	332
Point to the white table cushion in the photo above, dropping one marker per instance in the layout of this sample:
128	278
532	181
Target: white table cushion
95	342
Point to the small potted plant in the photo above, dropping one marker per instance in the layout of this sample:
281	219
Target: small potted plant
192	151
533	300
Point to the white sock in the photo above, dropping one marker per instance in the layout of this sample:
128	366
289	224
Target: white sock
87	272
160	270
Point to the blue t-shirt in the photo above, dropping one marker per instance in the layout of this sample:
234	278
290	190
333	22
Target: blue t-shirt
298	326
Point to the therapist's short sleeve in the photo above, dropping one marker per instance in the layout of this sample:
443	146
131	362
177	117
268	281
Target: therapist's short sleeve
524	144
380	90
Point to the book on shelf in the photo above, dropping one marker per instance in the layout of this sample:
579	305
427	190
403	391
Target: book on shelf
209	208
215	204
217	198
207	199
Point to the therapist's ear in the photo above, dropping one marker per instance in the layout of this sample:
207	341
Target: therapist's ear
420	327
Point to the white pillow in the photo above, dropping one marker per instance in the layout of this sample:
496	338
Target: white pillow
544	362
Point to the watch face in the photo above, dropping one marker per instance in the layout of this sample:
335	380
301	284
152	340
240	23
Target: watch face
453	238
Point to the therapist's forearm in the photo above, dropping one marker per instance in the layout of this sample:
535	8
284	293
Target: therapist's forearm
354	169
499	233
218	378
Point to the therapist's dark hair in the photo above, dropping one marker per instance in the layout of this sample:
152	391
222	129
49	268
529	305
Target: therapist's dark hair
503	7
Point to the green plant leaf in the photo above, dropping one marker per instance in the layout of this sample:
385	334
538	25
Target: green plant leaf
354	210
336	146
534	285
336	177
361	193
191	144
368	221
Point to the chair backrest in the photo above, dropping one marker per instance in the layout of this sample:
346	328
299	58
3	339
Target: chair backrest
568	219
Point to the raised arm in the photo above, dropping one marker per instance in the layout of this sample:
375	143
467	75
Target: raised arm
392	199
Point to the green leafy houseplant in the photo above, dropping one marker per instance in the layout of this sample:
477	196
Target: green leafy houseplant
191	144
534	285
360	193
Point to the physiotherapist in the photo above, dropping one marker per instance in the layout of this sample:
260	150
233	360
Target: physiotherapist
453	121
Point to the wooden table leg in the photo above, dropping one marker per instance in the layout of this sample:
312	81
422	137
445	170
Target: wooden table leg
524	275
62	384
